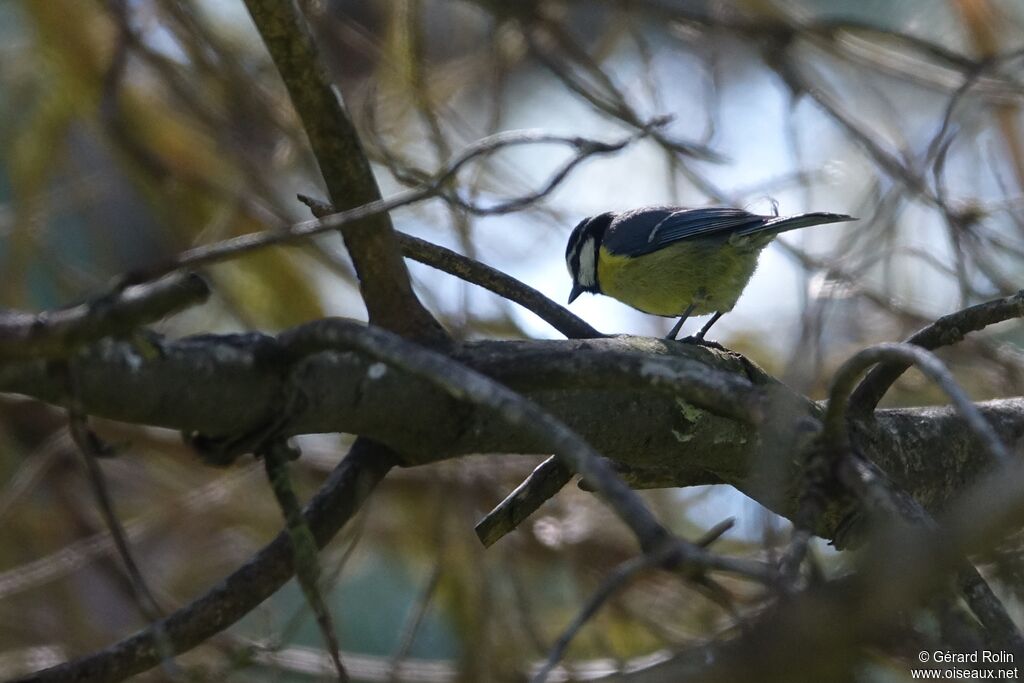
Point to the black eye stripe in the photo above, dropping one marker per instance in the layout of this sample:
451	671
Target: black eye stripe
573	252
590	230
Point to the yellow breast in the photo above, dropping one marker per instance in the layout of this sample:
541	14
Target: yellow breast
710	275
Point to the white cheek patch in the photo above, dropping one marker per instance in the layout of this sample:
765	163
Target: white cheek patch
588	263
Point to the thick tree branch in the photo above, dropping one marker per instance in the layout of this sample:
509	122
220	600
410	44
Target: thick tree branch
550	476
223	385
470	386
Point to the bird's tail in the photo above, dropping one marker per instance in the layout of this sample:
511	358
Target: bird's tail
804	220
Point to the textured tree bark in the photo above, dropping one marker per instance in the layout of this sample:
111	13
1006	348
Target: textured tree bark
224	385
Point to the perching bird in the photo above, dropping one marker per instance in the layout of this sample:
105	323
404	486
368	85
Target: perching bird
671	261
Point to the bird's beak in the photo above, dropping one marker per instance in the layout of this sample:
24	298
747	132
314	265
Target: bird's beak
577	289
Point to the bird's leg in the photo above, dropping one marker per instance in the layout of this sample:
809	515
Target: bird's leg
675	328
699	337
707	326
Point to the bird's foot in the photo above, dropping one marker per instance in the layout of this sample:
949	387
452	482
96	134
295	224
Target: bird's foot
701	341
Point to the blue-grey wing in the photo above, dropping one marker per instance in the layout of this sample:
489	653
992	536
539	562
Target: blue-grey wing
644	231
648	230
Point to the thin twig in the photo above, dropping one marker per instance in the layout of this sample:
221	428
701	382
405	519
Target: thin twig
613	583
612	101
413	621
216	252
92	448
665	557
481	274
276	454
37	463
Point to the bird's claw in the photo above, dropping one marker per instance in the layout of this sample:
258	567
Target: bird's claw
700	341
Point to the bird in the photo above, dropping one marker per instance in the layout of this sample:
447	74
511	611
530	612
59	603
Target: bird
672	261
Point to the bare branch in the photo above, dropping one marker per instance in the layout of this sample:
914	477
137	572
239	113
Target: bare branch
414	621
543	483
836	430
469	385
383	277
613	583
607	98
902	570
550	476
92	448
946	331
485	276
665	558
54	334
494	280
223	385
888	505
276	454
878	496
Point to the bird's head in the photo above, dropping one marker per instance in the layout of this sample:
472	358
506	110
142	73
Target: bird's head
581	253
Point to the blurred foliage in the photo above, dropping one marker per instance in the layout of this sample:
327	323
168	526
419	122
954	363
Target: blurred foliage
133	129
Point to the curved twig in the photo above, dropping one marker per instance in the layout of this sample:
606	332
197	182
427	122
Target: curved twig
500	283
483	275
614	582
610	101
276	453
836	430
946	331
868	485
666	557
223	250
469	385
92	449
